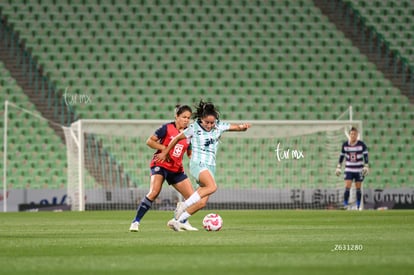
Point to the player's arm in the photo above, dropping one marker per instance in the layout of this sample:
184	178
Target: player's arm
341	159
155	140
239	127
365	170
365	154
189	151
163	155
154	143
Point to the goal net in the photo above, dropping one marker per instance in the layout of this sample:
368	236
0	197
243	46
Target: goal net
33	160
275	164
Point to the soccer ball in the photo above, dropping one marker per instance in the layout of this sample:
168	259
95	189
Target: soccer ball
212	222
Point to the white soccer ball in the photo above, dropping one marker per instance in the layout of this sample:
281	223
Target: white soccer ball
212	222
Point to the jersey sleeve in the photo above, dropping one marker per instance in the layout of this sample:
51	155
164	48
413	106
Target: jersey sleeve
365	153
189	131
161	132
342	154
223	126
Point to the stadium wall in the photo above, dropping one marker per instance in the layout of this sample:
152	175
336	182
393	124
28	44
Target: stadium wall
56	200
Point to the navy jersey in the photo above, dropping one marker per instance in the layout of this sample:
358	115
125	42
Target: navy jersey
355	156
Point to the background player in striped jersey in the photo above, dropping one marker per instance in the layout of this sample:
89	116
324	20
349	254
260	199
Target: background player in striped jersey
355	153
171	170
204	133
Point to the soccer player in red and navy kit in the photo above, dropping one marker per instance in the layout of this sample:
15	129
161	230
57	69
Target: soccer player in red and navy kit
172	170
355	153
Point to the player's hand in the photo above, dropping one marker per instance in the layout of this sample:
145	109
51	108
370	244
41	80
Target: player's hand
162	156
338	170
365	170
244	126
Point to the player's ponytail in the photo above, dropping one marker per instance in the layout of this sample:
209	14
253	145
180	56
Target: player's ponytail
204	109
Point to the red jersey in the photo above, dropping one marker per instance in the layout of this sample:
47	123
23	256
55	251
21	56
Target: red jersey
166	133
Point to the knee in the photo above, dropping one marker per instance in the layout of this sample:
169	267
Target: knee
213	188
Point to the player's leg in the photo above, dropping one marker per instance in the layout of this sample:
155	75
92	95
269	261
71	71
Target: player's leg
203	201
348	185
193	209
146	203
198	206
207	187
182	223
183	185
205	177
358	185
185	188
207	183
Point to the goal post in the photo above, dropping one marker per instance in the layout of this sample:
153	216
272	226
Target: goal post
33	159
275	164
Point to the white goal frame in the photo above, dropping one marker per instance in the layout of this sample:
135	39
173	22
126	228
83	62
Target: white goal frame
259	129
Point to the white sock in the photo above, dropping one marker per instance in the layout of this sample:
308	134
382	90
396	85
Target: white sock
184	216
195	197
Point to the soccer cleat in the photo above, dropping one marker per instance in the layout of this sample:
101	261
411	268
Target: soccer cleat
187	226
134	227
174	225
181	207
344	207
180	226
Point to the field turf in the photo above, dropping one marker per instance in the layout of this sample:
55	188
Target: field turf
251	242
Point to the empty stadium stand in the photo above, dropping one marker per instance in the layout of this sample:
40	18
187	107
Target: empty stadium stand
273	59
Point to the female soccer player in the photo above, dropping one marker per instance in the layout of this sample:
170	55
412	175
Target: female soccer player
356	165
171	170
204	133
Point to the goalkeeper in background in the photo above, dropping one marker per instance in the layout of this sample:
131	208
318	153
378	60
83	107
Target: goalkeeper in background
355	153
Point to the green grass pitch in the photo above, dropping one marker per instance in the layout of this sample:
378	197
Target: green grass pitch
251	242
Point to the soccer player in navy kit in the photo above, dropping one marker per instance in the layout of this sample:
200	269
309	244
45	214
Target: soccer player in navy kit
171	170
355	153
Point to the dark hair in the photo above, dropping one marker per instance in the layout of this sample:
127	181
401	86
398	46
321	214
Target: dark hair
179	109
204	109
353	129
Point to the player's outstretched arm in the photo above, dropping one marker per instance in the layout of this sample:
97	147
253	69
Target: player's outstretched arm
239	127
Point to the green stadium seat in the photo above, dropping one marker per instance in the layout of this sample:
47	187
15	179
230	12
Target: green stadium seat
293	48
